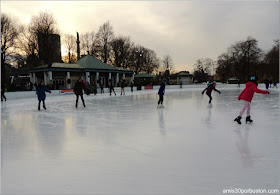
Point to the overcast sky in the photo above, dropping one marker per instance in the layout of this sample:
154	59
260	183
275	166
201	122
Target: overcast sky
186	30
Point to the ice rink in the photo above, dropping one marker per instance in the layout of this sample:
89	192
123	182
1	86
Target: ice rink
125	145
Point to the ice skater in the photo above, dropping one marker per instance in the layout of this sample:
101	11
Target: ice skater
266	82
101	87
131	86
122	87
41	93
247	96
111	87
161	93
209	91
3	93
78	90
275	84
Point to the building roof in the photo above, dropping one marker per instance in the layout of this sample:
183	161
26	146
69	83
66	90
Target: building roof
93	63
86	63
144	75
182	73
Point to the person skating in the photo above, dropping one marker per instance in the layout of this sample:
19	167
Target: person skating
209	91
266	82
94	88
111	87
274	84
3	93
131	86
247	96
101	87
41	93
122	84
161	93
78	90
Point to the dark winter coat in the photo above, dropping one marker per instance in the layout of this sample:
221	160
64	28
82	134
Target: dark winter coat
122	84
248	93
161	89
40	91
79	87
209	89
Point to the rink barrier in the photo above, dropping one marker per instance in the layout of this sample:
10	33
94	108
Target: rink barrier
32	94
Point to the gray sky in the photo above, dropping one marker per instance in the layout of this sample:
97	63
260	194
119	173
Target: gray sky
186	30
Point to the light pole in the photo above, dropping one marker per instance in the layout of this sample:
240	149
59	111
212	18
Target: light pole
139	54
213	63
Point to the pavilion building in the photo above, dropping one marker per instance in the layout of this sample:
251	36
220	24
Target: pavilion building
88	68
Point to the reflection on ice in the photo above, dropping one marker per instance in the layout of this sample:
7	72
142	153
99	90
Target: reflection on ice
125	145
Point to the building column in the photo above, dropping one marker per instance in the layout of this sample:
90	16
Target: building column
31	78
45	78
117	78
96	77
132	78
110	76
67	77
35	79
123	76
87	77
50	77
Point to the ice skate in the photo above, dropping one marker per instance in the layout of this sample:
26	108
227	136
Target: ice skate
44	107
161	106
248	119
238	120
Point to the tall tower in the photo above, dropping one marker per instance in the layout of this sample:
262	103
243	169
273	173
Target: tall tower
78	47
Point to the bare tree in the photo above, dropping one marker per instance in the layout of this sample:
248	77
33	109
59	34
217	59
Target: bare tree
87	43
121	47
203	69
41	26
247	55
167	63
151	62
103	41
69	41
136	58
9	33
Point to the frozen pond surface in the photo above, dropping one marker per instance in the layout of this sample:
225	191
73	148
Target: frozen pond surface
125	145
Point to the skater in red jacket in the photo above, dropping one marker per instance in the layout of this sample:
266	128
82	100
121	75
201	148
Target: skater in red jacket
247	96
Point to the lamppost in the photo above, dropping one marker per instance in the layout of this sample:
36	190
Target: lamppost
213	63
139	54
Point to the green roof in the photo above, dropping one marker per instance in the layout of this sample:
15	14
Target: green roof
93	63
144	75
85	63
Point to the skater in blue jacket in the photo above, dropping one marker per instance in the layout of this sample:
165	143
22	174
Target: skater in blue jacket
161	93
40	91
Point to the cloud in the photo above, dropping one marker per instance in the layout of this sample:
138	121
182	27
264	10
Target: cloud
187	30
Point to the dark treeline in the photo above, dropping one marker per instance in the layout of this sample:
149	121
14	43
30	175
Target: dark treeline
242	60
29	46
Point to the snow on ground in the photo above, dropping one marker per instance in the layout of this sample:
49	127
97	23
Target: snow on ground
125	145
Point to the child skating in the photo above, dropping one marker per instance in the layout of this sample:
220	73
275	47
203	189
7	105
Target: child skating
247	96
41	93
161	93
209	91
